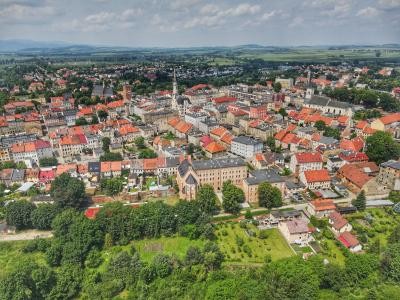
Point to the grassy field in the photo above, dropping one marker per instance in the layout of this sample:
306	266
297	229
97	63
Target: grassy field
374	224
239	247
11	255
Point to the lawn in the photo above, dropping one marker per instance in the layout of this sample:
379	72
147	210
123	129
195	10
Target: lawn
239	247
148	248
374	224
11	255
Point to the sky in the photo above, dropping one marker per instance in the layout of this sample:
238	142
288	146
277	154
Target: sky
190	23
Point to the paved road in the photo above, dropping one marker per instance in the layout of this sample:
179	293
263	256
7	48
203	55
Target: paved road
26	235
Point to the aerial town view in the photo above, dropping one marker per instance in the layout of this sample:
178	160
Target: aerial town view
197	149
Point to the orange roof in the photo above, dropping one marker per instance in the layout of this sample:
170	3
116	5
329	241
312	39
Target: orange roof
291	127
343	119
369	130
290	138
183	127
338	221
110	166
389	119
323	204
150	163
218	131
308	157
353	174
214	147
280	135
355	144
199	86
227	138
65	168
317	175
127	129
173	122
116	104
361	124
73	140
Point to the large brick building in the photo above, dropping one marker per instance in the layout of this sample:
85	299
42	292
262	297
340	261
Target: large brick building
193	174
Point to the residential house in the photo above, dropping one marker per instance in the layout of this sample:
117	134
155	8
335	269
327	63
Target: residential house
349	241
321	208
305	161
338	223
316	179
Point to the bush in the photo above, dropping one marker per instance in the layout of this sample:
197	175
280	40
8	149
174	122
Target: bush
224	232
263	234
93	259
239	241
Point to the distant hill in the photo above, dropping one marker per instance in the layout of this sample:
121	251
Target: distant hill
16	45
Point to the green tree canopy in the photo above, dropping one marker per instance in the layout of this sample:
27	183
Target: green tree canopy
232	196
382	147
68	191
207	199
269	196
18	214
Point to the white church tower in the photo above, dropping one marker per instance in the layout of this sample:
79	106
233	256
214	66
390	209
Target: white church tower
174	92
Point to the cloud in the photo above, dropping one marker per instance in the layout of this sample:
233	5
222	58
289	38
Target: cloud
297	21
101	21
20	13
389	3
368	12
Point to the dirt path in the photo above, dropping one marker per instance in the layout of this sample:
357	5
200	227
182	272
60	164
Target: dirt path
25	235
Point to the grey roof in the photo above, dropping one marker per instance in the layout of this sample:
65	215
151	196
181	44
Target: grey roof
325	101
286	213
172	162
293	185
17	175
391	164
218	163
183	167
182	99
246	140
378	203
25	187
94	166
191	180
259	176
327	140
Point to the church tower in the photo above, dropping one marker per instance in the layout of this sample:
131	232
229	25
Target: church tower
310	89
174	92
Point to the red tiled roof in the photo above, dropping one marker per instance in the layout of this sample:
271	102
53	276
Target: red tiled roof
353	156
389	119
224	99
323	204
115	104
348	240
317	175
91	212
308	157
354	174
218	131
356	144
338	221
214	147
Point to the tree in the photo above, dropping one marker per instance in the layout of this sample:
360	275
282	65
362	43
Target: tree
112	186
81	121
111	156
382	147
48	161
106	144
102	115
290	279
95	120
332	132
18	214
232	196
277	87
282	112
147	153
271	143
269	196
360	201
194	256
124	267
43	215
320	125
162	265
68	191
207	199
390	263
359	267
140	142
68	284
